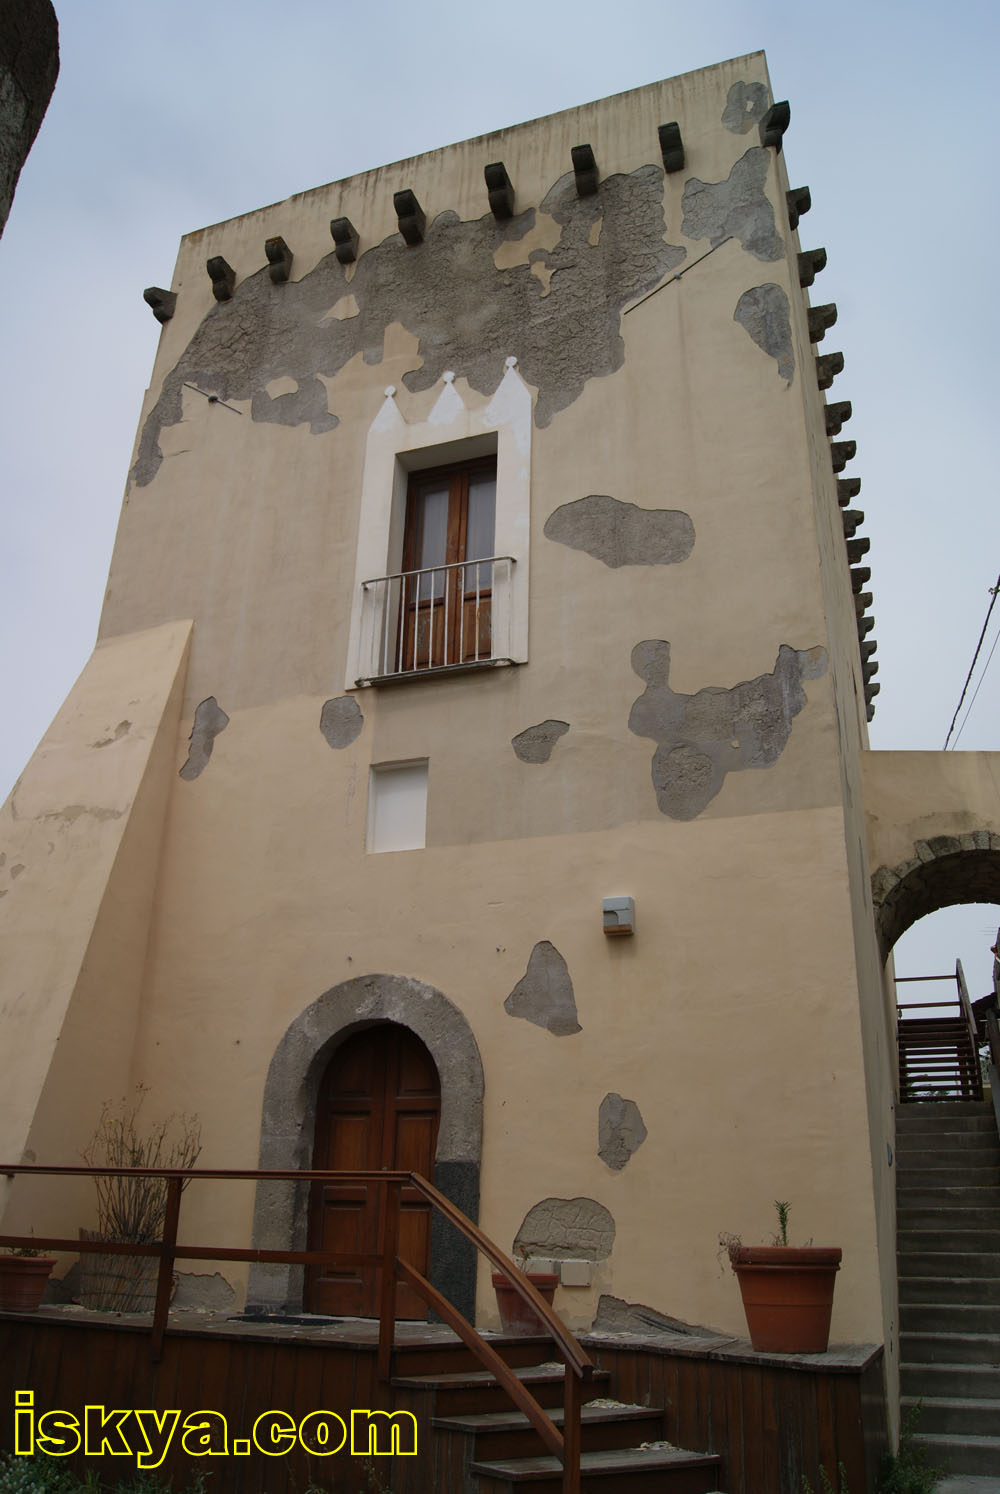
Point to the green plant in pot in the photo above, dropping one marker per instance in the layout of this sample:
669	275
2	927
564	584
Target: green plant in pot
787	1290
23	1274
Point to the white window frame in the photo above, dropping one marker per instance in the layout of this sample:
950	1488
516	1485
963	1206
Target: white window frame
451	433
380	780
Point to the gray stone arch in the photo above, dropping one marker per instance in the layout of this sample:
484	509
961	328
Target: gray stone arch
943	870
288	1123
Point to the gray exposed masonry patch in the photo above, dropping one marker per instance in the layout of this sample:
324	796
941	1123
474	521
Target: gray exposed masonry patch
763	312
544	994
447	292
209	720
615	1315
620	533
736	208
746	106
567	1229
200	1290
341	721
620	1131
535	743
703	737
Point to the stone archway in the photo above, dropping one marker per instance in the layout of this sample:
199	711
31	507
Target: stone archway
288	1125
943	870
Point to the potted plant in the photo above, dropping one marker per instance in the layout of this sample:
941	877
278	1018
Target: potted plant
23	1274
787	1290
517	1317
131	1210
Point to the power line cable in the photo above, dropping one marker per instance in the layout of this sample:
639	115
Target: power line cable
993	597
975	692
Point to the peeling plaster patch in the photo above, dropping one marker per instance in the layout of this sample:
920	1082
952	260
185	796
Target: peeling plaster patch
736	208
16	870
306	403
543	273
341	721
467	314
345	308
121	730
615	1315
594	236
763	313
620	533
745	107
209	720
72	813
620	1131
535	235
201	1290
703	737
567	1229
535	743
284	385
544	994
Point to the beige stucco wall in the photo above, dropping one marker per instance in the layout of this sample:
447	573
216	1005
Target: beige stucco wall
745	1017
79	843
912	797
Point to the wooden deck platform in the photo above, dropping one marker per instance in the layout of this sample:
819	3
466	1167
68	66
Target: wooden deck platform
771	1418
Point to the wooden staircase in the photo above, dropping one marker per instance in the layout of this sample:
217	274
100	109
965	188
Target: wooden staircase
937	1060
938	1053
480	1445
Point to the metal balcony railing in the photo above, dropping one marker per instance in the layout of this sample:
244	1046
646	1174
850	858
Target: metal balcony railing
443	617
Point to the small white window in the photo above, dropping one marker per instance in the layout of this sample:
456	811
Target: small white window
397	807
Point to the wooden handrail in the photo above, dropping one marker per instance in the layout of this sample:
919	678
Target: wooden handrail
966	1005
578	1365
993	1033
572	1353
487	1356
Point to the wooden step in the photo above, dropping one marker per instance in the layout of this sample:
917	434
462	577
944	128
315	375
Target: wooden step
468	1392
509	1434
636	1470
454	1358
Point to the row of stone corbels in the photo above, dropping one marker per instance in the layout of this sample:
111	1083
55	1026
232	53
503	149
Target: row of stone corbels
412	219
836	414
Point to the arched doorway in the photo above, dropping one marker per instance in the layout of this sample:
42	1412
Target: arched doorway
941	872
939	1031
379	1108
288	1126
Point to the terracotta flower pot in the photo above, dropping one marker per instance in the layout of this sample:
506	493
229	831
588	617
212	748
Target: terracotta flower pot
516	1316
22	1281
788	1295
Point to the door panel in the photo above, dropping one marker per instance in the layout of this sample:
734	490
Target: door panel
445	615
378	1108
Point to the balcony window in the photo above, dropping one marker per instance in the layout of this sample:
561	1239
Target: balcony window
441	580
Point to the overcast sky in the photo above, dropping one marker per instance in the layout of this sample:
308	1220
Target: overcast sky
168	119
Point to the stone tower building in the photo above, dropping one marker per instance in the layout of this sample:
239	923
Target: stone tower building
472	771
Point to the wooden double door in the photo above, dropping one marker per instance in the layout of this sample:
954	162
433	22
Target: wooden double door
379	1108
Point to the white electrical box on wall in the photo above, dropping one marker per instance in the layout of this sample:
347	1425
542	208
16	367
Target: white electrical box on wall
619	916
